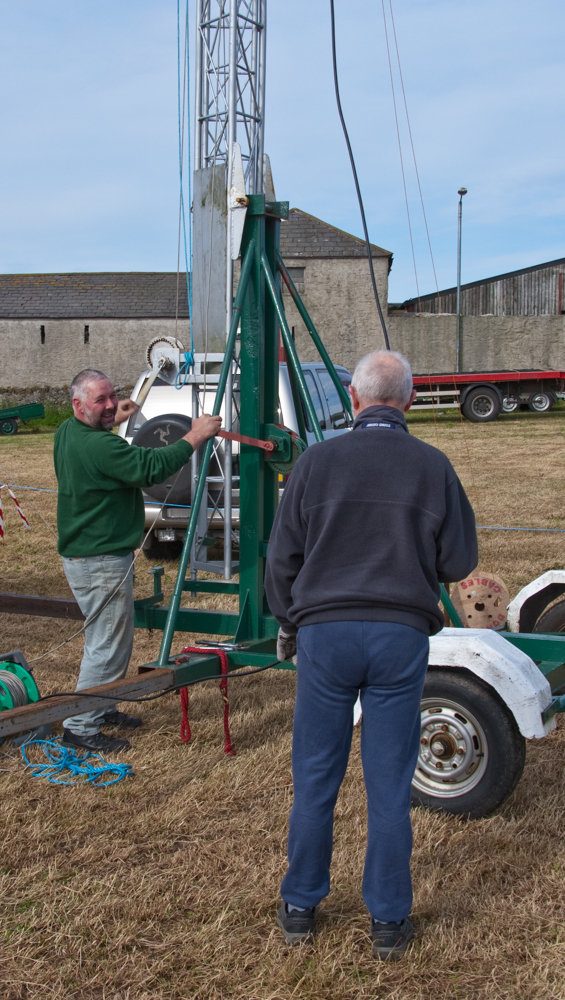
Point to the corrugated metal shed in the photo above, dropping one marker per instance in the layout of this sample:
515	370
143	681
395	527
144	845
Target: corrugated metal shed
532	291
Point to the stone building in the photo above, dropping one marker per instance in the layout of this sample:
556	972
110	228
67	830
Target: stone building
52	325
511	320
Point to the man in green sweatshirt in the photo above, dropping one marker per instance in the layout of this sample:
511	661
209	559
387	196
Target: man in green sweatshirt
100	519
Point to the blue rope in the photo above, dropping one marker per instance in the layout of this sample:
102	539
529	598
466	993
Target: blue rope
189	355
79	767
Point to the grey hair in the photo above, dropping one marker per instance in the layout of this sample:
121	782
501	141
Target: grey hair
80	382
383	377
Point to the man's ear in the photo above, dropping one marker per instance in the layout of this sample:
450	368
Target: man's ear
413	395
354	396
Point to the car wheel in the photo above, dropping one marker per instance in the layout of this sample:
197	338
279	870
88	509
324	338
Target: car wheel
481	405
540	402
471	753
552	620
8	427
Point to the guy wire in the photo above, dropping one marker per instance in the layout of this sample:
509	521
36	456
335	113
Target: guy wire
443	325
356	180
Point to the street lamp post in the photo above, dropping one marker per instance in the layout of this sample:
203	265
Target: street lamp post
461	192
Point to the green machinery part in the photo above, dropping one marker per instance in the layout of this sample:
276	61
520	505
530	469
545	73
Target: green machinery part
259	312
17	686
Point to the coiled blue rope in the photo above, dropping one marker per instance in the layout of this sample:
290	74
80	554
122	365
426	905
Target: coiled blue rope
81	768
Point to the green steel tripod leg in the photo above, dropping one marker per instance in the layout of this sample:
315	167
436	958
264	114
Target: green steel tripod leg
291	349
174	606
342	391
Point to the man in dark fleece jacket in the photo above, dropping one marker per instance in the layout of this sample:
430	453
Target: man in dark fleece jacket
100	517
369	525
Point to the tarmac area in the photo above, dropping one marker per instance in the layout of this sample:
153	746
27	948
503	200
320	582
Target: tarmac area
165	886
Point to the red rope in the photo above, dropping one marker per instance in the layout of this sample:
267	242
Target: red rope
185	725
185	733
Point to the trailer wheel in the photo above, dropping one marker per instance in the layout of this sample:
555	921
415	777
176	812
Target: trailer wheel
8	426
471	751
541	402
510	404
552	620
481	405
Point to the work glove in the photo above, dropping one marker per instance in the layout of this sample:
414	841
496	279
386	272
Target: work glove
286	647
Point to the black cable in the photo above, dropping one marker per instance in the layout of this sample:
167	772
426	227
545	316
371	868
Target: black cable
355	178
160	694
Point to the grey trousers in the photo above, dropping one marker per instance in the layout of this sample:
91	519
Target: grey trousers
108	641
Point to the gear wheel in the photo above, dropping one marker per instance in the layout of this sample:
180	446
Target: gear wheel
165	342
298	446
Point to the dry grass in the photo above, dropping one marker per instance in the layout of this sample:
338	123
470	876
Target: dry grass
165	886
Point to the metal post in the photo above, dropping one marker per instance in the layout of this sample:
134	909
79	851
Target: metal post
462	191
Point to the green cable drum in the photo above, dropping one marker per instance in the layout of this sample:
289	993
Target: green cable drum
17	686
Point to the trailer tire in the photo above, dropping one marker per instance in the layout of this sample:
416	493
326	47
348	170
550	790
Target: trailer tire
541	402
552	620
481	405
8	426
467	726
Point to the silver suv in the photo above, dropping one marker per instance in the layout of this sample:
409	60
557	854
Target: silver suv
169	524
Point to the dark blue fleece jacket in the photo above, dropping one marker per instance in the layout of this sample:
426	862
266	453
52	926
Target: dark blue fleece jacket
369	524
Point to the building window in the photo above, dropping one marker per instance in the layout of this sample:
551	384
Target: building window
87	334
297	275
42	334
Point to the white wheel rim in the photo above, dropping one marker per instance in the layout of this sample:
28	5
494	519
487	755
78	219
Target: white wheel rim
453	753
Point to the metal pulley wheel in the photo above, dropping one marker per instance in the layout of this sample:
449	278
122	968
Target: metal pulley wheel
165	343
297	446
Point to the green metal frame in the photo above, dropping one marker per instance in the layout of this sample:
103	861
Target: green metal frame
258	305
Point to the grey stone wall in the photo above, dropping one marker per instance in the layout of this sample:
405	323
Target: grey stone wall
116	347
339	297
487	342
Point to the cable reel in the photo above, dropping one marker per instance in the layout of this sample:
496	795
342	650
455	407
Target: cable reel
17	686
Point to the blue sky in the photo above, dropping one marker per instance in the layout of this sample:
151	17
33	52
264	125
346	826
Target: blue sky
88	167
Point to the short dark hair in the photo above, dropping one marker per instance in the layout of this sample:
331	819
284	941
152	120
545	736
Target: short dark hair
83	378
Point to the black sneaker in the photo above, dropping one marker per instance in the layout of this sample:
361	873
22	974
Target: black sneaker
391	940
95	742
120	720
298	927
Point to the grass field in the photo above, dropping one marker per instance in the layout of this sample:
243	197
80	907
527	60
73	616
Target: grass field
165	887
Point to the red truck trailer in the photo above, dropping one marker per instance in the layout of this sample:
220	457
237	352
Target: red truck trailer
483	396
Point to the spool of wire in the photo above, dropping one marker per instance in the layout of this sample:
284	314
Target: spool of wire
14	687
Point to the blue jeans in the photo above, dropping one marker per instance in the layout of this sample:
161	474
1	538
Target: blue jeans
386	664
108	641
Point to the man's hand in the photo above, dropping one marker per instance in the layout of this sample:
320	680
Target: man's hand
126	407
203	427
286	647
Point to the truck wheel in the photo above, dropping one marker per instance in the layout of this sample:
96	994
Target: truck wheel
471	751
541	402
552	620
510	404
481	405
8	426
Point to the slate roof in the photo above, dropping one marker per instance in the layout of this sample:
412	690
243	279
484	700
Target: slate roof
133	295
152	294
306	236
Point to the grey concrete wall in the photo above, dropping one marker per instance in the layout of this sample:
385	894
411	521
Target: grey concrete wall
487	342
116	347
339	297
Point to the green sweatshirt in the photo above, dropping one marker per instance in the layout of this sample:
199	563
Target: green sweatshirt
100	505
